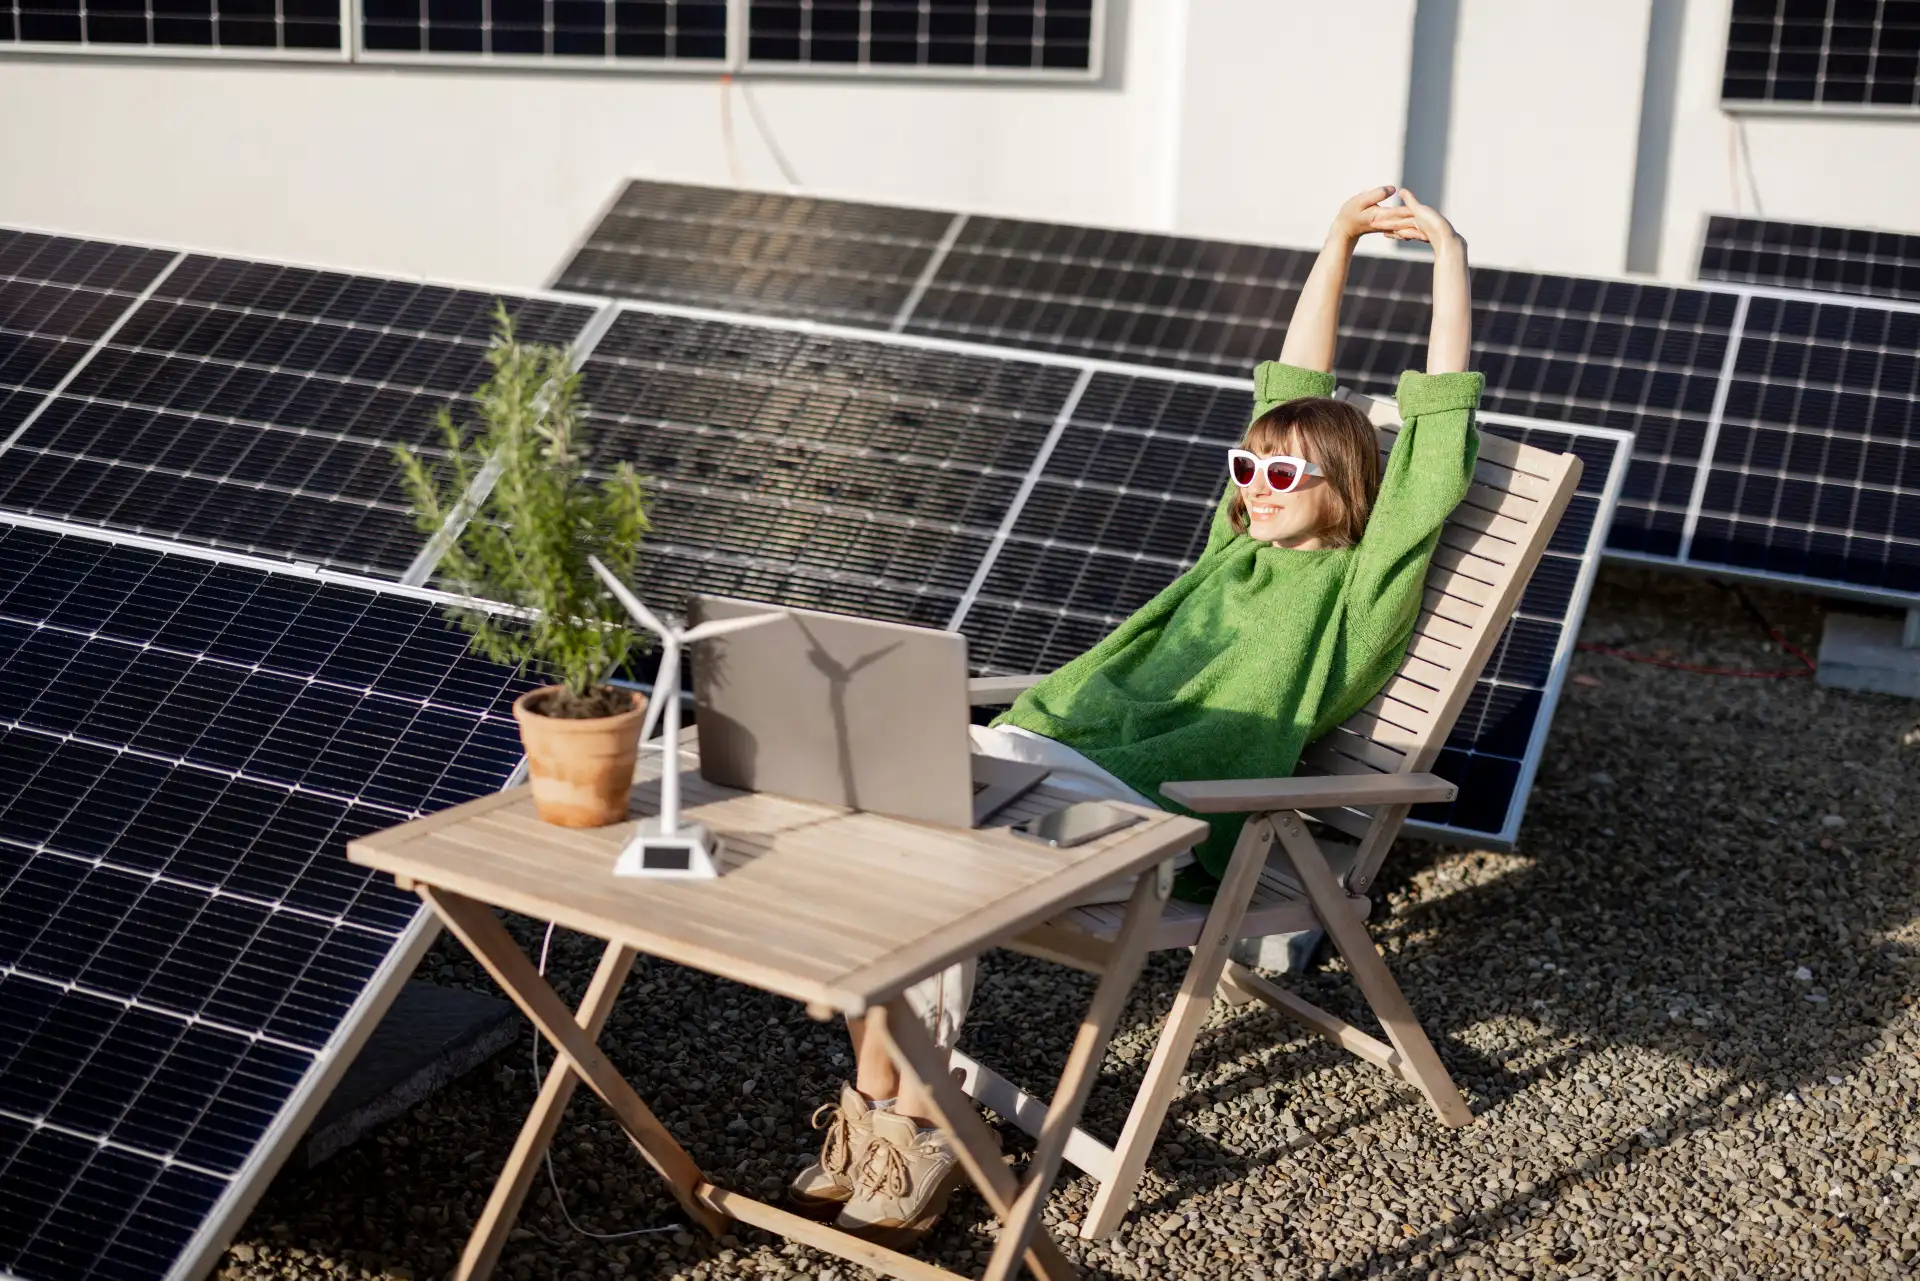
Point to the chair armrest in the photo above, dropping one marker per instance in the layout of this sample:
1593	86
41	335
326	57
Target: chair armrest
1255	795
988	691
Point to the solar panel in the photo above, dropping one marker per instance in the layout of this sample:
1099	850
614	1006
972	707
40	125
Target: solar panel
980	36
186	956
1816	467
254	407
1841	260
550	30
1830	53
752	252
1652	359
253	28
833	472
58	297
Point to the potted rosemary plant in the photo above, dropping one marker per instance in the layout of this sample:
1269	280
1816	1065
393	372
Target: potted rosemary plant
522	541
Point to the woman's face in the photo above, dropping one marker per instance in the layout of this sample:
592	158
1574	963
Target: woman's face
1291	519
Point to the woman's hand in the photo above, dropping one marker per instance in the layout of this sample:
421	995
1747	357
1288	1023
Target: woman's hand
1364	214
1424	222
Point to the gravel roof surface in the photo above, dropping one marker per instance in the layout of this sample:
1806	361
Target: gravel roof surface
1684	1011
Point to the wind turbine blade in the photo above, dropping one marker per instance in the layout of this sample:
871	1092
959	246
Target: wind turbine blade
628	599
721	626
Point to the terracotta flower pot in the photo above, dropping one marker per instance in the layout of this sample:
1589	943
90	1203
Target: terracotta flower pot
581	770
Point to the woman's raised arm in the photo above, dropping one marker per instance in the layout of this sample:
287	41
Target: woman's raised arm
1316	315
1452	337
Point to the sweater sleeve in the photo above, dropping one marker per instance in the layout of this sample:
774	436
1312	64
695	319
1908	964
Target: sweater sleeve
1274	383
1426	476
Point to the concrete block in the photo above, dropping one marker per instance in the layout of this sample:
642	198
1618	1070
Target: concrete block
1277	953
1865	652
430	1036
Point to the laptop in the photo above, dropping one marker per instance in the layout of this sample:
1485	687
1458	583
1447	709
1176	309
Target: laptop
844	710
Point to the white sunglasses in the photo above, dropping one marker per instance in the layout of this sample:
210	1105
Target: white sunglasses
1284	472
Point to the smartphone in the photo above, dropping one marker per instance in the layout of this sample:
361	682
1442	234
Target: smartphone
1077	824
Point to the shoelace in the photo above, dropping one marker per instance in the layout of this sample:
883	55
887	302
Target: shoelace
836	1146
892	1178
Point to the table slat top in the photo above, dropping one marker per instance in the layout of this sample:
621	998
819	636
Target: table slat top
821	904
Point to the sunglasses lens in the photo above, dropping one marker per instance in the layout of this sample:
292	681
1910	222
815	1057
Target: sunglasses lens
1281	475
1242	468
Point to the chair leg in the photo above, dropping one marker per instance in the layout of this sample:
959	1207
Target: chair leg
1370	973
1190	1007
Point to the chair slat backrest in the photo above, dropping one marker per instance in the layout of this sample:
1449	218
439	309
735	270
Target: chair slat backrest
1487	552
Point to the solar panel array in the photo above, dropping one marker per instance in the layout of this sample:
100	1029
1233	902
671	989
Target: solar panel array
895	35
254	407
1656	360
187	741
672	30
1830	53
1794	255
185	748
252	27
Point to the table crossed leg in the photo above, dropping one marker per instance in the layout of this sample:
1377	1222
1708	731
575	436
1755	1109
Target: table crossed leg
1017	1204
516	1177
475	925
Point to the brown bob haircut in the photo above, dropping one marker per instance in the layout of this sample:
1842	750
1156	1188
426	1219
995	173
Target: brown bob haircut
1338	437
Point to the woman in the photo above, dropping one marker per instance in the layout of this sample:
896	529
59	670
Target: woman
1298	611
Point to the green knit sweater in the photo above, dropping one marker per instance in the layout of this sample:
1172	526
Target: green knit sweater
1257	650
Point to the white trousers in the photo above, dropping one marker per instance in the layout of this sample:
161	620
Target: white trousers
942	1001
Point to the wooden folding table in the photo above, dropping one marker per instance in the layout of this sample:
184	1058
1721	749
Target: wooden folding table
841	910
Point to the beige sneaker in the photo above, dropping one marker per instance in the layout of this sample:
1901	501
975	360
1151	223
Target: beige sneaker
822	1188
901	1184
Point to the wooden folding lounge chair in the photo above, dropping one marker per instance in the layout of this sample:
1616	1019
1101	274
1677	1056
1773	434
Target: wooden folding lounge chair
1357	785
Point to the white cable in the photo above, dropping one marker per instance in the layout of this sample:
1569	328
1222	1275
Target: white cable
558	1199
766	136
726	129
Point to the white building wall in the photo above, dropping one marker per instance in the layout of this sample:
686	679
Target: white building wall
1287	108
1544	131
1232	118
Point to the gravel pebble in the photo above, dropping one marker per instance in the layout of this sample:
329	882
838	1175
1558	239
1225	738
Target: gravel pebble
1683	1009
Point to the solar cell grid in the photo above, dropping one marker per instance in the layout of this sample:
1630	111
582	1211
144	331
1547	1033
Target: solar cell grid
1843	260
58	297
1816	470
817	471
569	30
897	35
254	406
1831	53
253	27
758	253
185	748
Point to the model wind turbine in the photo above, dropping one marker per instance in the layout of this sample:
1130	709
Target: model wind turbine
662	847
